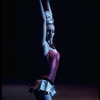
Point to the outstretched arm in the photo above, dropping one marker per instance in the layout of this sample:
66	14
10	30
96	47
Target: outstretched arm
44	43
42	10
44	23
48	7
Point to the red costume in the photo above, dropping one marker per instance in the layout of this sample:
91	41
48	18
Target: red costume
42	83
53	63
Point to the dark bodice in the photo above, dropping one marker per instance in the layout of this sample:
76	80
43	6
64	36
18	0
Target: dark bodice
52	63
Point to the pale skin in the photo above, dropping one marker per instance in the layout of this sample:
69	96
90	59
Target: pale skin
48	30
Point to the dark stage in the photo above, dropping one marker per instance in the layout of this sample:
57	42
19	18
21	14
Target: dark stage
76	39
64	92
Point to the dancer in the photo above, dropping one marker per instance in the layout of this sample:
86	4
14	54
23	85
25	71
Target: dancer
44	85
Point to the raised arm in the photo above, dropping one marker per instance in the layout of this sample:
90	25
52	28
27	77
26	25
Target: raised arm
46	4
48	7
44	43
42	10
44	23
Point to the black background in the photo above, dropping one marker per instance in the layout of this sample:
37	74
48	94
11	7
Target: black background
76	23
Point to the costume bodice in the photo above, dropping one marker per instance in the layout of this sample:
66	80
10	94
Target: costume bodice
53	63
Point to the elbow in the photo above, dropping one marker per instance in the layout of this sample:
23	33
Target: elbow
43	44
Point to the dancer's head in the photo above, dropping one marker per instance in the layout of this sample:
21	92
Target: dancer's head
50	31
49	25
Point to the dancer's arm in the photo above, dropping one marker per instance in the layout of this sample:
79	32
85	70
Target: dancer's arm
46	4
44	43
48	7
42	10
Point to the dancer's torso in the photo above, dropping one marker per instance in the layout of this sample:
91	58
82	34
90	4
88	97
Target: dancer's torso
52	59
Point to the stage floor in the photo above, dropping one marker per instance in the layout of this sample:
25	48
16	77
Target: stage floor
64	92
